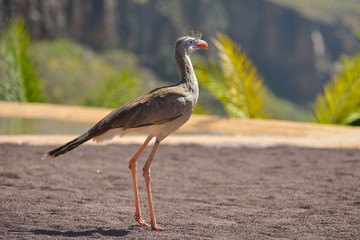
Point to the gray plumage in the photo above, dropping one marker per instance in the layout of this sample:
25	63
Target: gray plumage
157	113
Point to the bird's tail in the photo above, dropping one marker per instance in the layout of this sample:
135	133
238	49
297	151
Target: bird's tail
67	147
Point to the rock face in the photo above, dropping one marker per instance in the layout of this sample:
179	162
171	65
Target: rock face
294	54
84	20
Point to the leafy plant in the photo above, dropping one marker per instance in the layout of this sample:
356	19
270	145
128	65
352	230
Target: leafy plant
114	90
233	80
74	74
340	102
19	80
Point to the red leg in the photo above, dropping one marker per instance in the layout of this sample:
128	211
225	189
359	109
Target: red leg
146	174
132	166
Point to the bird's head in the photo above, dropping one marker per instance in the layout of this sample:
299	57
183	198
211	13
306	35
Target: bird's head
189	44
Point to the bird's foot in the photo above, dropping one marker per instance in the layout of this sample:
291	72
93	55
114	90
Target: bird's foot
156	227
141	221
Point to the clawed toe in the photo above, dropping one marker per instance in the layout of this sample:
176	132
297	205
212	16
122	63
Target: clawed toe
156	227
142	222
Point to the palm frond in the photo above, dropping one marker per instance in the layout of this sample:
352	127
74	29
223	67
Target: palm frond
210	77
340	100
233	80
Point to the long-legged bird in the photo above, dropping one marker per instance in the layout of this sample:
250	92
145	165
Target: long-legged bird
157	113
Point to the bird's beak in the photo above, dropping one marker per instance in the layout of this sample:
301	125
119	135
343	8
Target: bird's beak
202	44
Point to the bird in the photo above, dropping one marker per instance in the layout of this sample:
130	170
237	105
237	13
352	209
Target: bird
157	113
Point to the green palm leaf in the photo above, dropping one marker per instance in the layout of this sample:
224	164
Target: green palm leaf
340	102
233	80
19	79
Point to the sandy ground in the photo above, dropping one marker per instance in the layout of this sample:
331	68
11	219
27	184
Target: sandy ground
218	178
200	192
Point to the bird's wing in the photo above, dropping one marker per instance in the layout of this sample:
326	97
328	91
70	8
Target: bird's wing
156	107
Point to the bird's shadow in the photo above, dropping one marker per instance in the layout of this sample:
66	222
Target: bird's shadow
109	233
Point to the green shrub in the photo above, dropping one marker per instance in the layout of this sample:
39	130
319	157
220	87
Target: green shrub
76	75
114	90
19	80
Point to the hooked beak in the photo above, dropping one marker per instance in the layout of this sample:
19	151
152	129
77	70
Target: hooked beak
202	44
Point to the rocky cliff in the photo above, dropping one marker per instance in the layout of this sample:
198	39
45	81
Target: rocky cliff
294	53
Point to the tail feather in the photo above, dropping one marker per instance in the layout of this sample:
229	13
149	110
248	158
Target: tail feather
67	147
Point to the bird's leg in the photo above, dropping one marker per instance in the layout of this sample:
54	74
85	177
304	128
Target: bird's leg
132	166
146	174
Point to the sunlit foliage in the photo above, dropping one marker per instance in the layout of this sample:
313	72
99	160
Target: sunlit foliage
19	80
74	74
233	80
340	102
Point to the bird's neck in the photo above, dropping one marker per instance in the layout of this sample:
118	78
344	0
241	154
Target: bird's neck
187	74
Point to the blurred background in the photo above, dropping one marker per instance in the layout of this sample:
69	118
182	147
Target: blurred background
105	52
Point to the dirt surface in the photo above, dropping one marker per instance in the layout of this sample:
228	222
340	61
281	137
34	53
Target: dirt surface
199	192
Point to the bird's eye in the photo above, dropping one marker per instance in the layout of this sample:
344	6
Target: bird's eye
191	41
